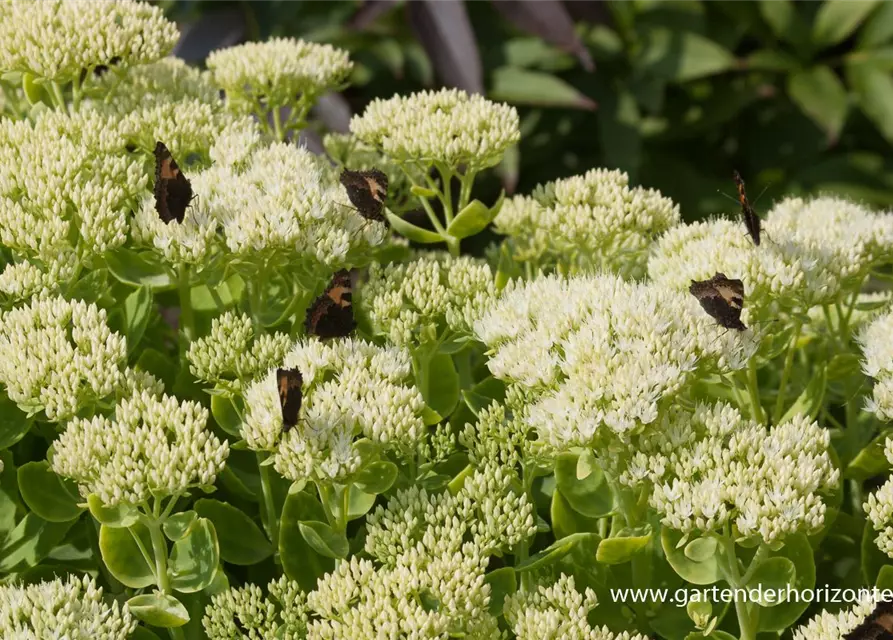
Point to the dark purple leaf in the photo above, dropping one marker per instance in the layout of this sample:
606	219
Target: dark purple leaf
369	12
444	30
214	30
312	140
549	20
591	11
334	112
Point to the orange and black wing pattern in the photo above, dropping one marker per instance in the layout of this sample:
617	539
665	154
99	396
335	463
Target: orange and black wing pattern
173	193
877	626
722	298
751	219
367	191
289	382
331	314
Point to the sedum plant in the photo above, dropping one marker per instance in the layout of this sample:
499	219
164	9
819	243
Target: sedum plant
269	417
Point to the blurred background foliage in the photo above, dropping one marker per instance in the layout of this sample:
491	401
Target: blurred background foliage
798	96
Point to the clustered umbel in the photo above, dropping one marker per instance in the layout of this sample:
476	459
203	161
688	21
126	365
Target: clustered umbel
607	355
73	608
59	356
813	250
557	611
155	446
231	355
877	349
431	298
711	467
352	389
586	223
835	626
449	127
879	508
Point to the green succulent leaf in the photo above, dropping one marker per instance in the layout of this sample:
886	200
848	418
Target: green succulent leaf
159	610
50	496
241	541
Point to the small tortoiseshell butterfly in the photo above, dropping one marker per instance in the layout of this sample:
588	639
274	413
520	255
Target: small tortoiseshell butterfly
289	382
877	626
722	298
367	191
173	193
751	219
331	314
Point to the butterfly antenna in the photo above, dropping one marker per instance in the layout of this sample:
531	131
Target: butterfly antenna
754	203
726	195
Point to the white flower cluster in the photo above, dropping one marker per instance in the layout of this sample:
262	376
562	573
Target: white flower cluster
712	467
557	611
416	301
487	514
246	612
879	508
66	187
231	354
73	609
278	72
269	200
449	127
351	389
58	356
153	447
589	222
58	39
812	251
877	349
835	626
603	353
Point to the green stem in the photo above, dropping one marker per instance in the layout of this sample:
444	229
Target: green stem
786	373
451	242
746	621
58	97
277	124
446	180
753	389
345	508
215	296
465	192
159	550
524	547
76	93
267	490
187	317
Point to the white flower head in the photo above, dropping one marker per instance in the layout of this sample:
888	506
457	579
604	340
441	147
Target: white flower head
151	447
351	389
835	626
246	610
231	351
59	39
72	608
278	72
432	293
447	126
712	467
879	508
876	340
593	221
602	353
59	355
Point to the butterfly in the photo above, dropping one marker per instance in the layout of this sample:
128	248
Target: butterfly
751	219
331	314
173	193
367	191
289	382
722	298
877	626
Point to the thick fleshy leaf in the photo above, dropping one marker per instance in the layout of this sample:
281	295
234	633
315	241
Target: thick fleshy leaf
770	576
121	515
622	548
48	495
701	549
554	552
137	310
299	561
358	502
323	539
503	583
412	232
589	496
159	610
138	269
549	20
437	381
444	30
241	540
14	423
697	572
680	56
873	87
471	220
810	401
523	86
878	28
122	555
377	477
177	525
836	20
195	558
799	552
32	539
226	414
820	94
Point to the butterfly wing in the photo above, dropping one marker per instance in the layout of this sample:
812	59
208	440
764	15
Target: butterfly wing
173	192
722	299
367	191
289	382
751	219
331	314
